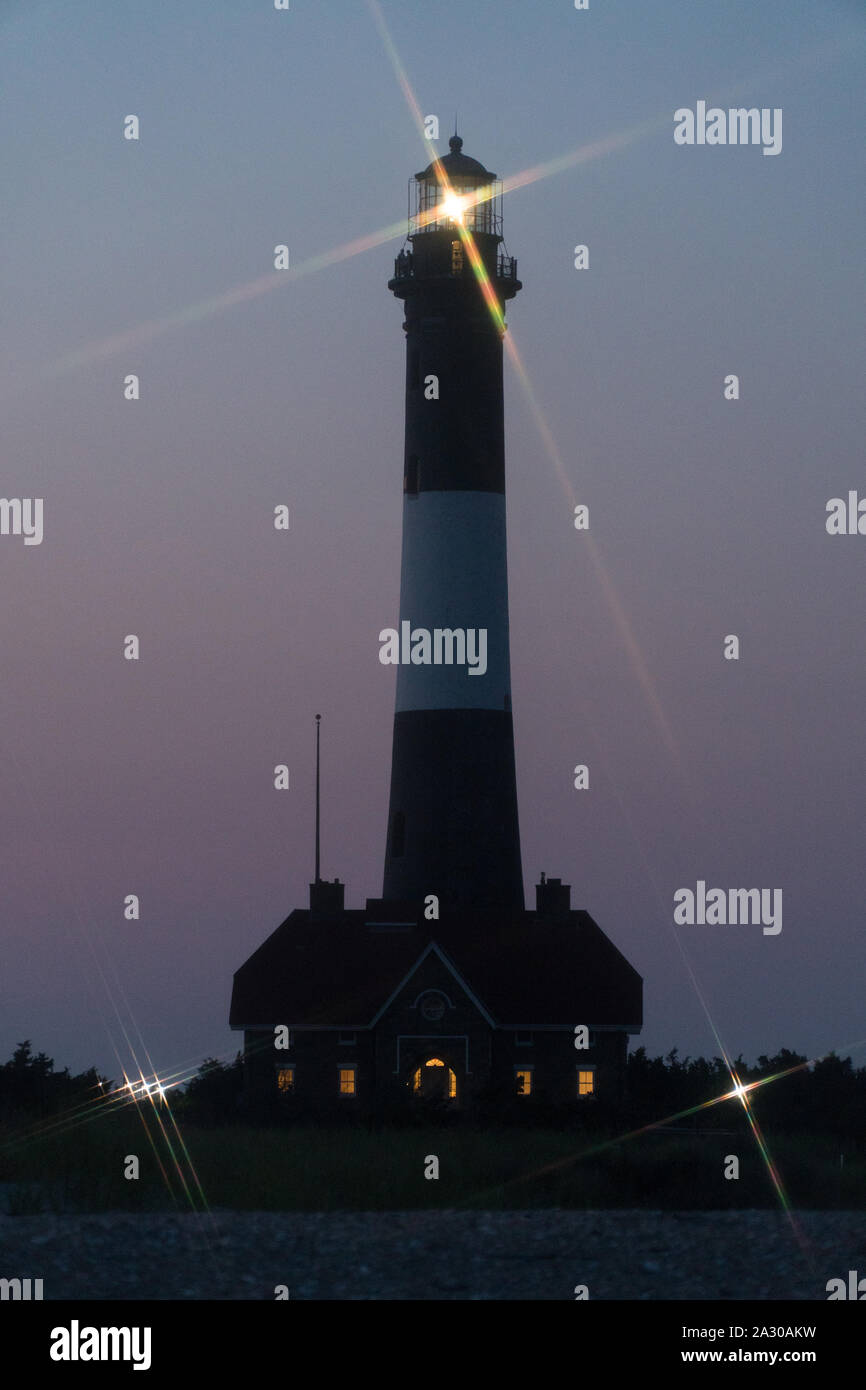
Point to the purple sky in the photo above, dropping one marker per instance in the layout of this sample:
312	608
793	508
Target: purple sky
708	516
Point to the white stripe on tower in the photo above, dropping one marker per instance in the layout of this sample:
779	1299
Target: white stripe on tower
453	575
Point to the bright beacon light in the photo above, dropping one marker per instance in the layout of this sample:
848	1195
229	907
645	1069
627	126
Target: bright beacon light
453	208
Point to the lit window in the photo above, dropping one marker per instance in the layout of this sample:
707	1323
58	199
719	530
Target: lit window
347	1081
456	257
286	1079
523	1077
586	1081
346	1039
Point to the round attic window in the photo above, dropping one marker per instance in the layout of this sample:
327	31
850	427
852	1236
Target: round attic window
433	1007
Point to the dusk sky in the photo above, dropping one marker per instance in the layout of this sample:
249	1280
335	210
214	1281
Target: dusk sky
260	387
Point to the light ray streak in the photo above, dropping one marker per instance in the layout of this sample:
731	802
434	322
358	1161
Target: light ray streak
85	935
103	1102
113	994
762	1146
143	333
761	1143
609	591
151	1141
184	1151
399	70
608	588
74	1117
166	1137
739	1091
494	306
263	284
63	868
491	299
145	1092
240	294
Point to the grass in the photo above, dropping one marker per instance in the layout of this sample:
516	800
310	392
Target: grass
319	1169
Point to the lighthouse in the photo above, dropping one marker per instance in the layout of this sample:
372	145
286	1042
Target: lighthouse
447	988
452	822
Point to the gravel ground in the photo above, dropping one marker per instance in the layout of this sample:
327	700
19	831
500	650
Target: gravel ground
539	1254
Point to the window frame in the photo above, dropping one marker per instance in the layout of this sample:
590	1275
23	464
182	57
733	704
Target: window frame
580	1071
353	1068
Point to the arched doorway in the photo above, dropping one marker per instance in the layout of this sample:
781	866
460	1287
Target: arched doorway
434	1080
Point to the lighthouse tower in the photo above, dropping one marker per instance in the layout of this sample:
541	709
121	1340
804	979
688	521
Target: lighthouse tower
452	824
486	1000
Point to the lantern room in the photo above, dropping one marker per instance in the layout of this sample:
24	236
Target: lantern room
455	218
455	191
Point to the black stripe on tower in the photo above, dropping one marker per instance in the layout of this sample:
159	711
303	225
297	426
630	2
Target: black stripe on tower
455	443
453	826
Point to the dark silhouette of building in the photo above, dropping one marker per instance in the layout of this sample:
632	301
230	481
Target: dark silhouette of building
445	986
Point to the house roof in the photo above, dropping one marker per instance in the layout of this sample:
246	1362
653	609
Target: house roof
528	971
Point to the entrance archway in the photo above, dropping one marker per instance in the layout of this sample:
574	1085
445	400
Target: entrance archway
435	1080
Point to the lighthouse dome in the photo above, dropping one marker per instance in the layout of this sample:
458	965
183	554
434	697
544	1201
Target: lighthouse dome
456	165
